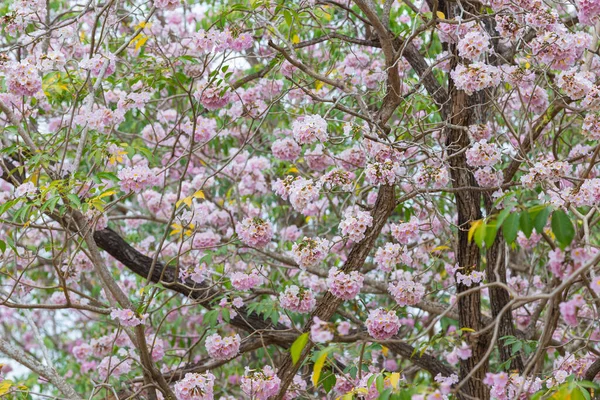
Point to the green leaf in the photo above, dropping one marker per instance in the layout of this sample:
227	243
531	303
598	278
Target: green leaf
510	227
562	227
329	382
289	20
2	246
480	234
298	346
539	222
490	234
225	314
74	199
526	223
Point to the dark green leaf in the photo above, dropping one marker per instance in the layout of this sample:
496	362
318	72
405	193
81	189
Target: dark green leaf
510	227
526	223
539	222
562	227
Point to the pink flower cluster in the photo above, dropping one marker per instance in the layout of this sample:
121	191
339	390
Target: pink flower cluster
588	11
260	385
384	173
576	84
344	286
244	281
406	232
382	324
212	97
310	128
390	255
469	279
113	367
432	175
286	149
137	178
487	177
475	77
473	44
483	154
127	317
310	252
23	79
591	126
545	170
302	192
462	352
569	309
297	299
506	387
195	387
406	292
321	331
355	223
255	232
221	348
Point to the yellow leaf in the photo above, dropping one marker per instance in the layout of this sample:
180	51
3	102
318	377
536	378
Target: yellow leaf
362	390
440	248
5	387
395	379
292	170
440	15
527	65
384	350
139	41
186	200
319	85
199	195
106	194
177	228
318	367
296	39
473	228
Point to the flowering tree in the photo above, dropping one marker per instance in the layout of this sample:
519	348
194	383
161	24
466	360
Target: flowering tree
342	199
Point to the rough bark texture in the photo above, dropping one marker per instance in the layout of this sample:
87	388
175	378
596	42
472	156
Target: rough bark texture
466	110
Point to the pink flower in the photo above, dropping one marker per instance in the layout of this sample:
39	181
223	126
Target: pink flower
475	77
473	45
23	79
431	175
243	281
382	173
137	178
575	84
260	385
309	252
310	128
127	317
569	309
302	192
483	154
212	98
113	367
255	232
344	286
321	331
195	387
382	324
487	177
223	348
286	149
390	255
406	232
343	328
355	223
406	292
297	299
